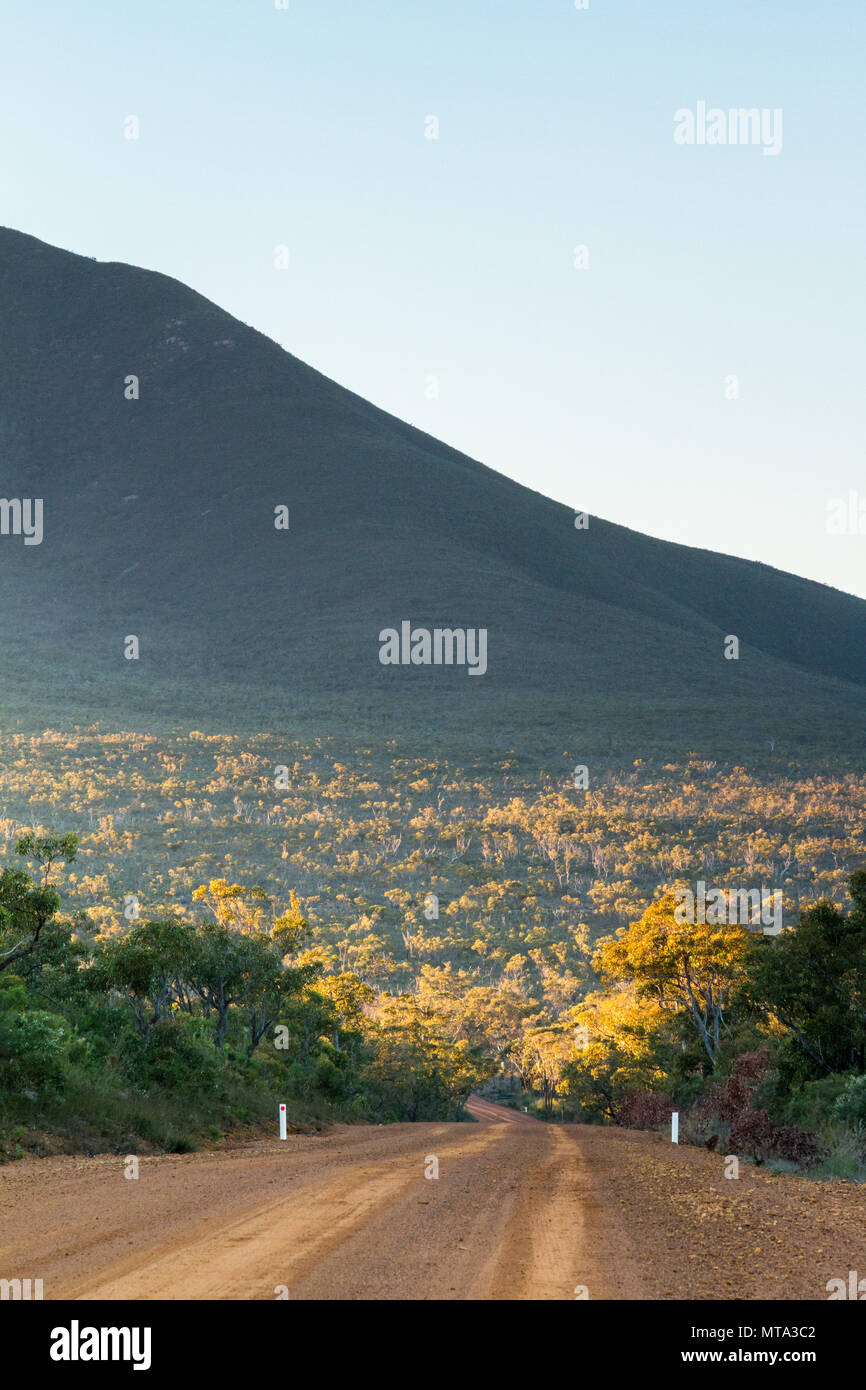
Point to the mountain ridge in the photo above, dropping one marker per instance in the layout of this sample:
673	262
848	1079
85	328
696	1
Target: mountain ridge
166	505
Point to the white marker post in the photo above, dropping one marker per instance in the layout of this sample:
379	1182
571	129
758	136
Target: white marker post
282	1122
675	1127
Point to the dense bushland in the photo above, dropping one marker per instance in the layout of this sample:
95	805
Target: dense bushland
760	1040
178	1031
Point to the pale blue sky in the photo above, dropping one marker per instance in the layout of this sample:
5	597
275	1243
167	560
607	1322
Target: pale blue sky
453	258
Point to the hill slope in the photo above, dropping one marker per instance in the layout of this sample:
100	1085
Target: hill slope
159	522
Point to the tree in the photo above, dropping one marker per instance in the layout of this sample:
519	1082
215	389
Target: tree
34	1045
149	968
291	930
239	958
218	972
623	1043
484	1016
541	1054
268	983
416	1073
812	978
242	909
694	966
26	905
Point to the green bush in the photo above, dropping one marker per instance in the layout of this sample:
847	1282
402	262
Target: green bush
844	1158
34	1050
850	1106
179	1055
811	1105
13	994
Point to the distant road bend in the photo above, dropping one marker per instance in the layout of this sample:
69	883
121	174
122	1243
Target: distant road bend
519	1210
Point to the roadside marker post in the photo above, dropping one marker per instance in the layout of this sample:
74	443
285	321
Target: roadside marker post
675	1127
282	1122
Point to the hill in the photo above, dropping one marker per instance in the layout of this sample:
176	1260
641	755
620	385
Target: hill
159	522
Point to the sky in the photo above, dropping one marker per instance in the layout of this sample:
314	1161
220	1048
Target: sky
696	372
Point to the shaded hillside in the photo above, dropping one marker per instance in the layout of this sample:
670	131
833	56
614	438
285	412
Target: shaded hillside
159	522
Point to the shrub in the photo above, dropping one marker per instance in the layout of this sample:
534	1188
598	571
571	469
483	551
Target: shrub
755	1133
728	1099
644	1110
795	1144
813	1105
178	1056
35	1049
752	1133
845	1156
850	1106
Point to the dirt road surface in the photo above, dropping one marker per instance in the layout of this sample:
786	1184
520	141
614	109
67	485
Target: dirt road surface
520	1210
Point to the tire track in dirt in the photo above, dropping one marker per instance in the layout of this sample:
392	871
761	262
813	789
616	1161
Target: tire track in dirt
257	1253
431	1243
75	1218
558	1243
520	1210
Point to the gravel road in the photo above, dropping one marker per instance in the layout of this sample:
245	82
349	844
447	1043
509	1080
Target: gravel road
519	1210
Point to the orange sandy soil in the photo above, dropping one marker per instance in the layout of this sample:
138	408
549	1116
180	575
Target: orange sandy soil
520	1210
